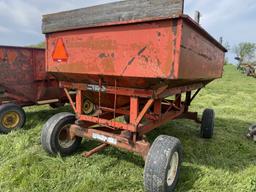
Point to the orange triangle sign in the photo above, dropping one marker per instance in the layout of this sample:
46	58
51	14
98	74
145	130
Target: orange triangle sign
60	54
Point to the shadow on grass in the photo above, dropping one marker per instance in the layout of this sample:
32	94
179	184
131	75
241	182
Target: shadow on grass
228	150
112	152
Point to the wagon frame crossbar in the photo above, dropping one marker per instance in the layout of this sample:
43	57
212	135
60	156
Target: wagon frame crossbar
148	109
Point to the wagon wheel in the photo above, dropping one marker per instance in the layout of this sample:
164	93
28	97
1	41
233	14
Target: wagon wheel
163	163
55	135
12	117
88	107
207	125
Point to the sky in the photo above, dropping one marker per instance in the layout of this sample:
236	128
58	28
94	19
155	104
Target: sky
235	21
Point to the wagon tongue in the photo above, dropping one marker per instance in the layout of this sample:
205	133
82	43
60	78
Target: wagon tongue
60	53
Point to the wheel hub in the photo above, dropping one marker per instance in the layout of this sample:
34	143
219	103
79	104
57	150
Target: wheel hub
88	107
10	120
64	139
174	163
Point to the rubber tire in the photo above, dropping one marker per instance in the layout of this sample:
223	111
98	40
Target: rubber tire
252	130
207	125
56	105
12	107
50	133
158	163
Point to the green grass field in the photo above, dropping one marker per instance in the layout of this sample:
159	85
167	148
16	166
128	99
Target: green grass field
225	163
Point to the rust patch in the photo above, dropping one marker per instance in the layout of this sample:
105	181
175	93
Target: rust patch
107	61
158	62
106	55
131	61
145	58
108	65
12	56
75	44
102	55
101	44
1	54
172	71
142	50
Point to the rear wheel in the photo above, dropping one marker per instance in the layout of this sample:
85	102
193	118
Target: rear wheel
163	164
55	135
207	125
12	117
88	107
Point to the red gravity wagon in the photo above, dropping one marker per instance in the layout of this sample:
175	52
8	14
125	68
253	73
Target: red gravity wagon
24	82
127	59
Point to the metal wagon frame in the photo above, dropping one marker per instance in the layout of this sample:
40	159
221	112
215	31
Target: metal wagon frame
163	110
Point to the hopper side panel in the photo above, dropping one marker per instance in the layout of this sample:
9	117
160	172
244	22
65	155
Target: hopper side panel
200	58
38	60
17	71
144	50
23	74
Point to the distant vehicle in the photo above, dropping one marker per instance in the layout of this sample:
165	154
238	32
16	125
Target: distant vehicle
24	82
248	69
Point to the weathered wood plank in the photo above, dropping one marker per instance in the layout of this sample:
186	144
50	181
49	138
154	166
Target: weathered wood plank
112	13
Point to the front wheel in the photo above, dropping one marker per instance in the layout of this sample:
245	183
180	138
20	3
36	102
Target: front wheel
163	163
55	135
12	117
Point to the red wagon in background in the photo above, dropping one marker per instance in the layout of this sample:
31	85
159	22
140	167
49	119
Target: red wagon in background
24	82
128	58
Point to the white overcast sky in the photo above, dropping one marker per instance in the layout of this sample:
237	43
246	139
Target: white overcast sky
20	20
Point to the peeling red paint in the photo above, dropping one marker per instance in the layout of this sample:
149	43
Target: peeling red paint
23	76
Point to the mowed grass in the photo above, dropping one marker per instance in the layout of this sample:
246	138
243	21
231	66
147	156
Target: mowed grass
225	163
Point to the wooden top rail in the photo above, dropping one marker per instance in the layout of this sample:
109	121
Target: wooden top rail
123	12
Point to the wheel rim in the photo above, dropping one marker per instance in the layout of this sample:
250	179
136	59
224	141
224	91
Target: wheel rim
172	172
88	107
64	139
10	120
